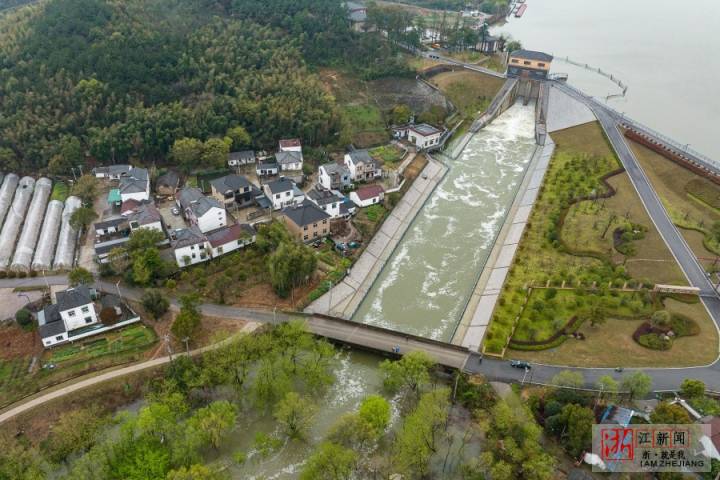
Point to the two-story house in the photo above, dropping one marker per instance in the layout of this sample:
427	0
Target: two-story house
362	166
233	190
135	184
72	310
334	176
283	192
422	135
205	212
327	201
289	156
190	246
306	222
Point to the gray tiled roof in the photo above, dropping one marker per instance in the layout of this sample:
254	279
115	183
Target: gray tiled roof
111	222
187	237
145	214
425	129
113	169
363	156
135	181
532	55
230	233
323	197
284	158
50	323
244	156
192	198
73	297
305	214
335	168
230	183
281	185
171	179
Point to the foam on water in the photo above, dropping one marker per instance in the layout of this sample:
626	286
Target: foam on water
424	287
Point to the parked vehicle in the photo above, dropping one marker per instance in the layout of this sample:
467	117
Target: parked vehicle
175	211
520	364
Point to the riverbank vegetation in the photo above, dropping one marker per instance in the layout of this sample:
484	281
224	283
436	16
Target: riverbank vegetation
585	266
269	402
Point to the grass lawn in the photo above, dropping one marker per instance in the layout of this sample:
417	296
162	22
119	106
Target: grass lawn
390	155
470	92
575	252
692	201
605	345
60	191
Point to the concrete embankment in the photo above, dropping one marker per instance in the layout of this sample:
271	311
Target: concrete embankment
345	297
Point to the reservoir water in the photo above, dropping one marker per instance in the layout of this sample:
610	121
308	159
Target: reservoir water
664	50
425	285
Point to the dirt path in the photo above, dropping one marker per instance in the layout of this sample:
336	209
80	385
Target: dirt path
80	384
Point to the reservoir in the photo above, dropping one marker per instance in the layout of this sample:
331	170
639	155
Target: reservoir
425	285
663	50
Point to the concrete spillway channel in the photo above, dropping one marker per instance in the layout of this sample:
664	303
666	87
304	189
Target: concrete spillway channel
7	191
47	242
14	220
65	252
33	221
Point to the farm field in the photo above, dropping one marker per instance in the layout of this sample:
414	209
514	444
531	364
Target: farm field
590	234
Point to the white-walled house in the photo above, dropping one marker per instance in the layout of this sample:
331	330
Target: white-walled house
146	215
423	136
333	176
111	172
367	195
362	166
205	212
266	168
289	156
135	185
283	192
327	200
230	238
190	246
73	309
244	157
290	145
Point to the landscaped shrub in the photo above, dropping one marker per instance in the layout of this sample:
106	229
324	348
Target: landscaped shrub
24	318
654	341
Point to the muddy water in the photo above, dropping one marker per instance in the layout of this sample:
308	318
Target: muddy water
426	284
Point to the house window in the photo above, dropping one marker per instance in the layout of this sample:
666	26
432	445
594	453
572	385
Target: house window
325	222
220	250
194	255
71	313
526	62
88	320
85	309
192	247
305	237
514	60
287	194
314	225
277	196
305	227
59	338
315	234
541	64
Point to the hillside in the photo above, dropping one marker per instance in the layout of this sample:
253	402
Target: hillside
95	81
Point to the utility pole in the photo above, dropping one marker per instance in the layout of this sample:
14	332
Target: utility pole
168	347
186	340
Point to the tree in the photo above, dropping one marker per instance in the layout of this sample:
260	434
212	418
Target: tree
24	318
187	152
375	410
691	388
294	414
8	160
68	155
82	218
330	462
579	421
607	385
568	378
661	318
513	45
195	472
637	384
143	238
412	371
80	276
188	320
214	421
155	303
290	266
353	432
86	188
595	312
18	462
669	413
215	152
75	431
400	114
240	138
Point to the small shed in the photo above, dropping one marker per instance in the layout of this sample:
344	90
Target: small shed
114	199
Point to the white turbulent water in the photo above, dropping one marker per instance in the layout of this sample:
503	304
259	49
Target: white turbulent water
425	285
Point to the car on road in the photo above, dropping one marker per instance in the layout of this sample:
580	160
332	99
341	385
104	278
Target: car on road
520	364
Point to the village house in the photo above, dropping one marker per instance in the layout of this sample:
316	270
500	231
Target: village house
230	238
423	136
367	195
327	201
190	246
167	184
205	212
283	192
233	190
266	168
145	215
362	166
306	222
357	15
135	185
289	156
73	310
529	64
111	172
334	176
111	226
244	157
